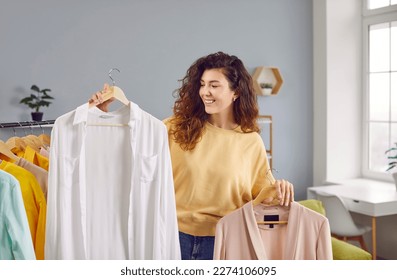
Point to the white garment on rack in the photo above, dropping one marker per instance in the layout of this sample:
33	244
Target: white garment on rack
111	192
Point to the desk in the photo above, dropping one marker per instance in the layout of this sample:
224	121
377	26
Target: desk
368	197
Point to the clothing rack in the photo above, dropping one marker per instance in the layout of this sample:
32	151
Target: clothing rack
26	123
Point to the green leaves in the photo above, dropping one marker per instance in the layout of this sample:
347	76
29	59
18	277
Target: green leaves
39	99
392	164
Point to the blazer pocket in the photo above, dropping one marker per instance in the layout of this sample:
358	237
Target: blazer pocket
148	167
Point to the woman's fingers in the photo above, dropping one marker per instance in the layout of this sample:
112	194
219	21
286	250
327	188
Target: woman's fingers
97	98
285	192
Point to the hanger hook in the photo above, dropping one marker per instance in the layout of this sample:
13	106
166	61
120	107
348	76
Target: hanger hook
42	129
23	129
110	75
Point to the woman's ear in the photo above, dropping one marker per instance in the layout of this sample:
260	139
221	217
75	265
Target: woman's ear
235	97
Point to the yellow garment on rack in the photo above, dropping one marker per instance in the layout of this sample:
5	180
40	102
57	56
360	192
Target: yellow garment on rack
18	152
16	145
34	157
35	204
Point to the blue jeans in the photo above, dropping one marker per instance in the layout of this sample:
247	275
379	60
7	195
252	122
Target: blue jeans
196	247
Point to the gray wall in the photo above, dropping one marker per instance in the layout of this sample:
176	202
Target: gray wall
69	46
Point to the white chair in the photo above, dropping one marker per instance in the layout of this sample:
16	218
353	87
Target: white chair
340	220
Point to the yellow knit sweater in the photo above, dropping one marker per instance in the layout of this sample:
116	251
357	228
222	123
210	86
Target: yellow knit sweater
226	169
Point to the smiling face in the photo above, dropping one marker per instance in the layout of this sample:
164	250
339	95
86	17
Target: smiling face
216	93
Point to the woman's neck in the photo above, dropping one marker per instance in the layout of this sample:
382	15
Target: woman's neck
223	122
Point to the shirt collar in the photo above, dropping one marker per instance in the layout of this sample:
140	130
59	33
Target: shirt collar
81	113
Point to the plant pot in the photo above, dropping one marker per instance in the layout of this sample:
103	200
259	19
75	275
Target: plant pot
37	116
267	91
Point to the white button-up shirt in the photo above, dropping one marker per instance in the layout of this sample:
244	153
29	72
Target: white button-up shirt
110	190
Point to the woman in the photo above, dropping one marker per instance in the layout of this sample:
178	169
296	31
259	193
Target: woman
218	158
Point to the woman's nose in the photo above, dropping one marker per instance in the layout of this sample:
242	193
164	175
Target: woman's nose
206	90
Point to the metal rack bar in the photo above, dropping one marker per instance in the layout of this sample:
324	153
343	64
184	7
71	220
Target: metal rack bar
26	123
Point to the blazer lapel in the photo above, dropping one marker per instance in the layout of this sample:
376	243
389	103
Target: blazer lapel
253	230
294	219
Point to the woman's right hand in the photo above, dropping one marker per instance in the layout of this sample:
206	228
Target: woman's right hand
97	99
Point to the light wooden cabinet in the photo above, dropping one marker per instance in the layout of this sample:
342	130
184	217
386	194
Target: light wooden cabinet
264	76
265	123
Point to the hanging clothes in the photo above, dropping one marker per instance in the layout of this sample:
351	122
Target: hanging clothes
45	152
307	235
34	157
35	204
15	239
39	173
111	192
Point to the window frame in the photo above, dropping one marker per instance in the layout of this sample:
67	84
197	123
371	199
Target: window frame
378	11
371	17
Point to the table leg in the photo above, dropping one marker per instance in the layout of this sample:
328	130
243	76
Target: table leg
374	238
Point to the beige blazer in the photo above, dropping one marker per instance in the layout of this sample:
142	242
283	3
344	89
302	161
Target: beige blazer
308	236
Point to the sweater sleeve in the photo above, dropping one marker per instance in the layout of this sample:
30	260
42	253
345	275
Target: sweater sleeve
262	173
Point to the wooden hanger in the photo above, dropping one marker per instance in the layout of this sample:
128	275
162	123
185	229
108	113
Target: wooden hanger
260	199
272	222
35	139
16	142
113	92
33	142
4	150
45	139
118	94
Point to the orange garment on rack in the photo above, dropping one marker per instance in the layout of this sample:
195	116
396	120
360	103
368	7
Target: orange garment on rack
35	204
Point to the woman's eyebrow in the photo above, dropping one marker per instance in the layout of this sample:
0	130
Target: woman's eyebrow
212	81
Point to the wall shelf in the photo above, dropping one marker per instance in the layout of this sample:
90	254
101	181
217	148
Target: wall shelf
267	75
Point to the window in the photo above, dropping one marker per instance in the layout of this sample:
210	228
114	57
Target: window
376	4
380	80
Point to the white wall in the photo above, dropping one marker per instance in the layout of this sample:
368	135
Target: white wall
319	92
337	90
344	94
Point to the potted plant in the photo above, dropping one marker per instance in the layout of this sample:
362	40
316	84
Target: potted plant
392	157
37	99
267	88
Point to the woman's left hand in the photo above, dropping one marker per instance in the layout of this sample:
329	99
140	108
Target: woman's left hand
285	191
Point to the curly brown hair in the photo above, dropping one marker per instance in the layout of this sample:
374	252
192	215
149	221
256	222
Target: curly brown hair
189	112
